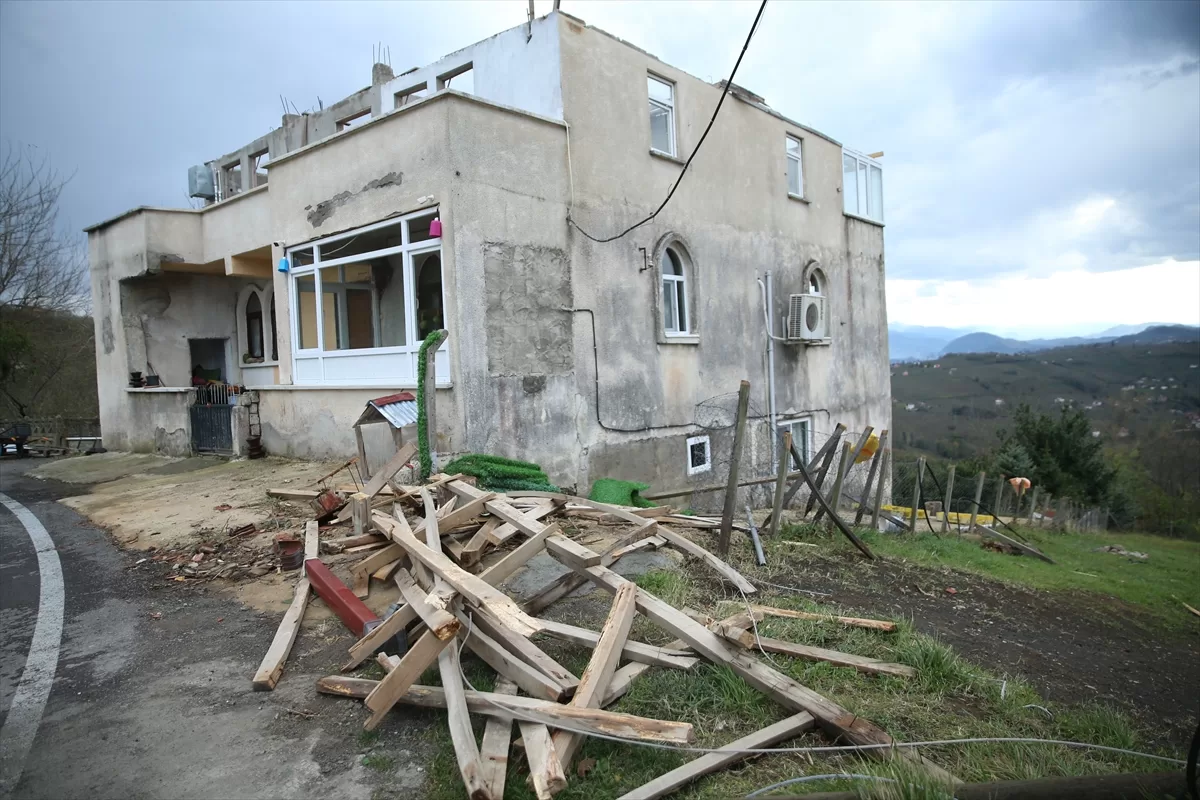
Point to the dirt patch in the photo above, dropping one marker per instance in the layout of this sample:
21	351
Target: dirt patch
1072	648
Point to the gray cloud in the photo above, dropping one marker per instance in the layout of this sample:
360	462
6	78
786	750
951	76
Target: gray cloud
1019	137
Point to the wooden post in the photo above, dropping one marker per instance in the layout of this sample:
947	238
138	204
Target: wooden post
1033	504
360	512
998	498
948	501
835	494
731	485
978	497
785	453
916	501
430	392
364	469
866	492
885	466
819	481
844	468
1046	502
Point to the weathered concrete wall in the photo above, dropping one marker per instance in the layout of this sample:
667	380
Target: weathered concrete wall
735	220
160	420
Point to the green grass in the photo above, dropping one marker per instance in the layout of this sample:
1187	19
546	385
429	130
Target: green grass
380	762
1158	584
949	698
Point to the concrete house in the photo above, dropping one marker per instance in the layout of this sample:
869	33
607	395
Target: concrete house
458	195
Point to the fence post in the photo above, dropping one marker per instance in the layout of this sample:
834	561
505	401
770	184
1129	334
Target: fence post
978	496
884	466
843	468
866	492
731	486
785	453
916	501
999	497
819	480
949	500
1033	504
835	494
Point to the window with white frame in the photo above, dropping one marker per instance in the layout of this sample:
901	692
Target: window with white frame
862	186
699	455
801	430
795	167
675	312
363	301
662	114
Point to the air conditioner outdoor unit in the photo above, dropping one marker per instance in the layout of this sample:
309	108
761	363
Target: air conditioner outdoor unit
807	318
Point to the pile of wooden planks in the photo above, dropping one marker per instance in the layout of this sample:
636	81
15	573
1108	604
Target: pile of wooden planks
448	545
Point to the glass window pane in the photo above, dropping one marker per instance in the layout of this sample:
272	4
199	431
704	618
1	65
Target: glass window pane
418	228
389	282
660	90
862	190
427	273
850	184
361	243
669	301
306	311
681	304
671	264
254	328
301	258
660	129
793	146
794	186
332	323
876	194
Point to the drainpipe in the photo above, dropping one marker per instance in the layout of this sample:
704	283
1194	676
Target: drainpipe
770	290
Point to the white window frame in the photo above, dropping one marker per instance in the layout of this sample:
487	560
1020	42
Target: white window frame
669	107
798	158
707	465
672	296
864	206
408	250
805	447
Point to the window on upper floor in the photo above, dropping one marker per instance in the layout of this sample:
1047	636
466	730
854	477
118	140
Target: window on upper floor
862	187
795	166
674	293
662	115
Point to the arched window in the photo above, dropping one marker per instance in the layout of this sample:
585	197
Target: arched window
254	326
674	293
816	282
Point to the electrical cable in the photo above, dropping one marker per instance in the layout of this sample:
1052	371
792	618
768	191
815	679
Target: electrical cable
813	778
695	150
518	714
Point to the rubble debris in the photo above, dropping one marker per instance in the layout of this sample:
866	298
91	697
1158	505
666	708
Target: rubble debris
1117	549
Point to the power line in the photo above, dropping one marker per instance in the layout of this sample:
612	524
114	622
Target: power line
696	150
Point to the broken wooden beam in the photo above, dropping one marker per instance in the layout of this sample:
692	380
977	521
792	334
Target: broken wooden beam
271	667
493	750
632	651
396	683
443	624
873	624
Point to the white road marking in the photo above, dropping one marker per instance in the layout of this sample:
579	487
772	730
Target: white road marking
29	700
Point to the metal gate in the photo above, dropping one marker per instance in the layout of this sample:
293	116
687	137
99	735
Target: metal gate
212	420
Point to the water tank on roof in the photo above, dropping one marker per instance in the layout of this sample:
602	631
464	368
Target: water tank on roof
200	182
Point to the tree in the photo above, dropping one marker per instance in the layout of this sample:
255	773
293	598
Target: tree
1013	461
1066	459
46	365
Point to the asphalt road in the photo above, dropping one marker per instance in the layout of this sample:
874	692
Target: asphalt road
141	706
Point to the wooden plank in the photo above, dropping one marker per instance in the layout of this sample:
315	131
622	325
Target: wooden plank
885	468
564	584
836	720
385	572
293	494
361	572
360	512
356	541
669	782
443	624
271	667
473	550
493	750
869	666
380	479
361	446
873	624
785	453
475	590
544	712
949	500
871	474
814	486
545	768
835	493
582	554
396	683
507	530
1024	548
366	547
593	685
632	650
464	513
525	650
462	736
532	680
497	573
979	480
734	459
396	622
312	543
716	564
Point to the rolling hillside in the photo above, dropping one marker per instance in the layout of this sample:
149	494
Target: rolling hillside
953	406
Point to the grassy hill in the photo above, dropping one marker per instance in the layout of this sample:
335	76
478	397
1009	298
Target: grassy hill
953	406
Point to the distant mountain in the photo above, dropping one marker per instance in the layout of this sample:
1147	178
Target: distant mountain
1124	330
1163	334
990	343
920	343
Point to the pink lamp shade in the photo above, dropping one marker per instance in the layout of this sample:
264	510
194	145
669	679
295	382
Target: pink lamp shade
435	227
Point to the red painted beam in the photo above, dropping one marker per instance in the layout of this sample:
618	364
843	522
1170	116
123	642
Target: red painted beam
350	610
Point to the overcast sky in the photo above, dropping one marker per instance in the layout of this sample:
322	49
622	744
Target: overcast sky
1030	147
